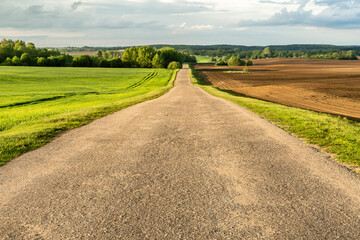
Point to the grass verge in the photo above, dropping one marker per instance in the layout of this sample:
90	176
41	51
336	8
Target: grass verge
334	134
30	136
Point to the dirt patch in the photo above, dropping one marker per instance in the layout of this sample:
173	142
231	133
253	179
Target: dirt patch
330	86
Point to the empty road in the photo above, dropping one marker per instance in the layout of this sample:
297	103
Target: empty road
184	166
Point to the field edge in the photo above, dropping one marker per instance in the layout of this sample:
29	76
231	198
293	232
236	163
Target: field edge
334	135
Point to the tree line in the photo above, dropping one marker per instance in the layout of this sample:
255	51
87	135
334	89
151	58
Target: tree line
306	54
232	60
18	53
240	58
314	51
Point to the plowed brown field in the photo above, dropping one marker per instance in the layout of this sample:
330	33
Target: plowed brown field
330	86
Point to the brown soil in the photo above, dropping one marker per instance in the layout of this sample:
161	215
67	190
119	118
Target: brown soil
331	86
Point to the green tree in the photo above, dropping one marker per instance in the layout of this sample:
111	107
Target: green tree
145	56
100	54
158	61
267	52
130	56
171	55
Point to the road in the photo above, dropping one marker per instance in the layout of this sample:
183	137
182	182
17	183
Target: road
184	166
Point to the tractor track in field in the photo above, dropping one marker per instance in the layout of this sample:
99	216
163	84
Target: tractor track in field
144	80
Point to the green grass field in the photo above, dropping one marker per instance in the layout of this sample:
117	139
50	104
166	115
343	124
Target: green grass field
334	134
37	103
203	59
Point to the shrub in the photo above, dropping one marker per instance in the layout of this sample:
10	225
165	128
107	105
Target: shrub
104	63
236	61
26	59
42	61
82	61
221	63
115	63
16	61
7	62
174	65
249	63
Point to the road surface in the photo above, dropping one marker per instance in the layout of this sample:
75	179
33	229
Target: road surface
184	166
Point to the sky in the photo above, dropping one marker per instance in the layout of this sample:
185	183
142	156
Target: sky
54	23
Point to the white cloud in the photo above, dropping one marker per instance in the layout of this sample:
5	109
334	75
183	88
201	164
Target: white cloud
74	22
185	26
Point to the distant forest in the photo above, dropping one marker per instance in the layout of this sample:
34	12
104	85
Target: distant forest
315	51
19	53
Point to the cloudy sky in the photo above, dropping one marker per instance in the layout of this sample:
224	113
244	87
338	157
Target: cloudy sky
135	22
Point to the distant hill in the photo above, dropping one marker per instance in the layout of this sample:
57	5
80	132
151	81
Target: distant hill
291	47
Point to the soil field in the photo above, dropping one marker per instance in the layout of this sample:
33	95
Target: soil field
330	86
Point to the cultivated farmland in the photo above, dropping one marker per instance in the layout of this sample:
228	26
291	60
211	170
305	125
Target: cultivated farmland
330	86
36	103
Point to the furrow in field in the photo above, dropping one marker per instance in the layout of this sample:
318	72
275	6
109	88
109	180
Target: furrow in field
144	80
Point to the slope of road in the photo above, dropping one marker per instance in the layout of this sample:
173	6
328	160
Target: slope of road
184	166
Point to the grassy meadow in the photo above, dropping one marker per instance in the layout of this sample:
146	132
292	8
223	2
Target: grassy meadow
37	103
334	134
203	59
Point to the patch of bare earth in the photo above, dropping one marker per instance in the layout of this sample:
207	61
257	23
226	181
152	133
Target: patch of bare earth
330	86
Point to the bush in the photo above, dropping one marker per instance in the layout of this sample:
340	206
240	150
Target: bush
236	61
42	61
7	62
174	65
221	63
16	61
249	63
82	61
26	59
115	63
104	63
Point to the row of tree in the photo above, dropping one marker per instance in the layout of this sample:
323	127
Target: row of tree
306	54
10	49
19	53
233	60
137	57
150	57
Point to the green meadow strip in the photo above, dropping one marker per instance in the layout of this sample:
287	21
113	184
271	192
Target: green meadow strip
31	134
334	134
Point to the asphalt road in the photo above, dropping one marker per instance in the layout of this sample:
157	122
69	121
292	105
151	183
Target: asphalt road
184	166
